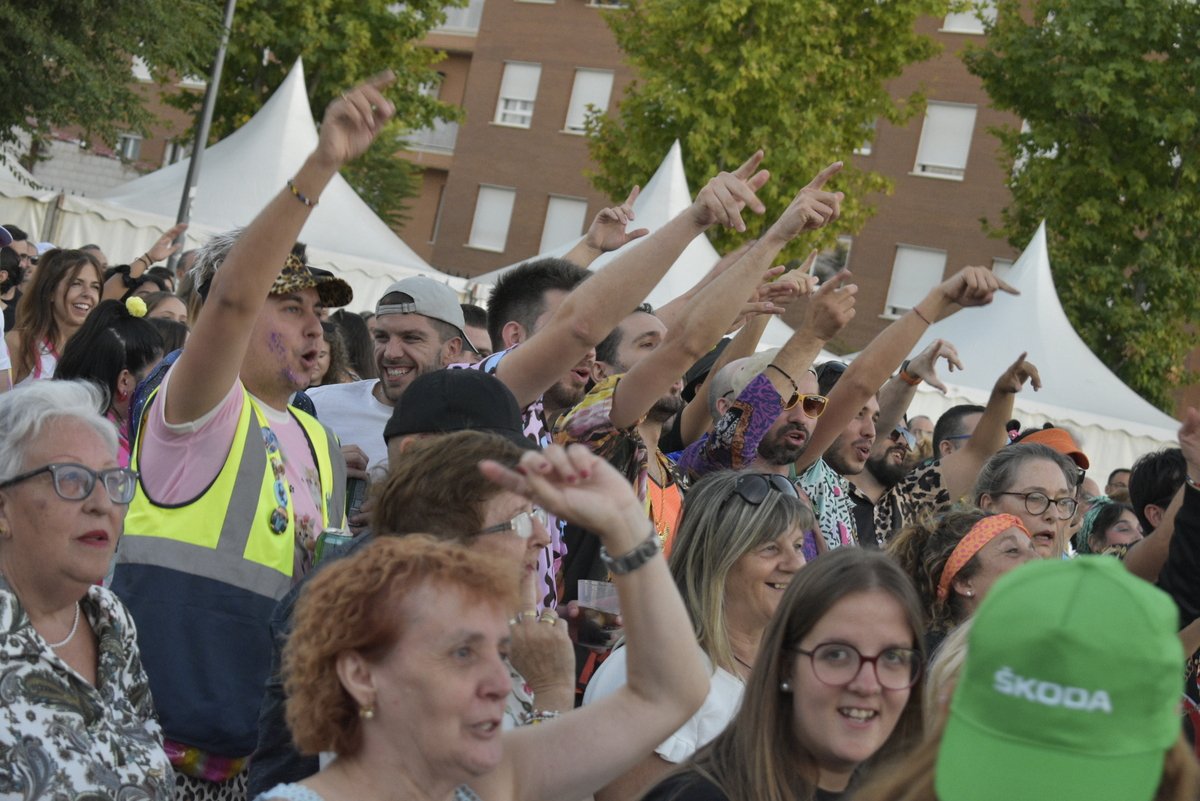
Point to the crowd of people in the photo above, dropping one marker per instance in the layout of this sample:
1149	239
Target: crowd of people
256	546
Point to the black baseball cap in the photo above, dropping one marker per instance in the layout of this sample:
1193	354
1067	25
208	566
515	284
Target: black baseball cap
443	401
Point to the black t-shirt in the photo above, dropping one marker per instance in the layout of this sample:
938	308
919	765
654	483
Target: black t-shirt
691	786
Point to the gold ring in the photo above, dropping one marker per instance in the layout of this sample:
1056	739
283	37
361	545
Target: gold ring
345	95
531	613
548	617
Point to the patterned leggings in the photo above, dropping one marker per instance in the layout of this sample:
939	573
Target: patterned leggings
188	788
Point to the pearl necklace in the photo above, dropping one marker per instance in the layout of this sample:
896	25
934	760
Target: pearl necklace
74	627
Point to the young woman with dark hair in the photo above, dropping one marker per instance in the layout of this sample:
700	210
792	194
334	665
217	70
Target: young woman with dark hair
115	349
65	289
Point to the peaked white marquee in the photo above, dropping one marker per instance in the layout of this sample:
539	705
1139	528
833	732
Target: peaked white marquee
665	195
241	173
1079	392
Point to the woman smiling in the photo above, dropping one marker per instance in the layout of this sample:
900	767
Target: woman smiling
737	549
65	289
831	692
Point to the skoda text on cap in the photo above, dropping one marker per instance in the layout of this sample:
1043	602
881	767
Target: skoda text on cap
1069	690
430	298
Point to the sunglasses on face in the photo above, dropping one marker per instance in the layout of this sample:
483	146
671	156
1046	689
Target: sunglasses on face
902	434
812	405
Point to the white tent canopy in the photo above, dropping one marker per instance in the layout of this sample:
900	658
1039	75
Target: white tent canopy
240	175
1113	424
665	195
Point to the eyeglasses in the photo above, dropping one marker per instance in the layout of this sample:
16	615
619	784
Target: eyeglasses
1036	503
813	405
74	482
522	524
902	434
754	487
837	664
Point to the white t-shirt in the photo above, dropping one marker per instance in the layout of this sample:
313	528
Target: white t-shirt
5	360
355	416
723	701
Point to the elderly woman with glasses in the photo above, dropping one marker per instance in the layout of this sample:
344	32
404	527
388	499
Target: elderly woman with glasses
831	694
1037	484
77	717
737	549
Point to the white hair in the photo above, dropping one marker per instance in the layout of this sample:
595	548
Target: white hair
25	411
211	254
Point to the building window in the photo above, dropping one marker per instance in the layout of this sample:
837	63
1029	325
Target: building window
129	146
915	271
1001	268
493	213
518	91
464	20
833	260
971	21
945	140
592	88
865	148
176	151
565	218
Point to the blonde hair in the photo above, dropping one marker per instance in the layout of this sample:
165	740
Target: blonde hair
718	528
944	668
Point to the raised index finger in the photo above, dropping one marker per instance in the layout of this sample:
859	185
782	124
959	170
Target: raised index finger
749	166
825	174
632	195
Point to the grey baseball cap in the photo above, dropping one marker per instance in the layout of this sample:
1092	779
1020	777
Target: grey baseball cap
430	298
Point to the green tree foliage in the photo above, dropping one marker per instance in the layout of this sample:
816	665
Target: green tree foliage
68	62
342	43
802	80
1111	161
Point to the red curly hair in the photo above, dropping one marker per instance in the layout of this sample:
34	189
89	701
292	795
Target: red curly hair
350	606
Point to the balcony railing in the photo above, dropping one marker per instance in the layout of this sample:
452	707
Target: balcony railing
438	139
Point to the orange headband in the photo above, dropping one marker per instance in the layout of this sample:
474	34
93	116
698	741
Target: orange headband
980	535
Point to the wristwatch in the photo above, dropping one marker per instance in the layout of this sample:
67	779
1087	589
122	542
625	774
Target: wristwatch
635	558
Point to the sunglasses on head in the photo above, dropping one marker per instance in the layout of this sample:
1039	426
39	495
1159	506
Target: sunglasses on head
831	370
754	487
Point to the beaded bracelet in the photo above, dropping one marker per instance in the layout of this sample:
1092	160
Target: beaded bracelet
538	716
302	198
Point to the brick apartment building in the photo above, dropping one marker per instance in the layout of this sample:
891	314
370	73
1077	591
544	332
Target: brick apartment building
508	182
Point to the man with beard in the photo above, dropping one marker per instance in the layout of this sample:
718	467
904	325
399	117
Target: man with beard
765	412
640	366
882	470
545	320
419	329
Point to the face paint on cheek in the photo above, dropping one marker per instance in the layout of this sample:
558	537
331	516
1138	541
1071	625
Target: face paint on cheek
275	345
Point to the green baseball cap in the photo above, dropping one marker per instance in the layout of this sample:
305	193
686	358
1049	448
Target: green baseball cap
1071	688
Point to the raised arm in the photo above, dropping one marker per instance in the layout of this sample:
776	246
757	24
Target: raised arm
667	680
896	395
1148	559
961	468
831	309
701	323
972	286
599	304
164	248
210	364
607	232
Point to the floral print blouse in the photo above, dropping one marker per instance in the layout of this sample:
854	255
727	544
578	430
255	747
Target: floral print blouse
60	737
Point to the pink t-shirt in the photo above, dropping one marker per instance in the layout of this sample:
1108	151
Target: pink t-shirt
178	461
